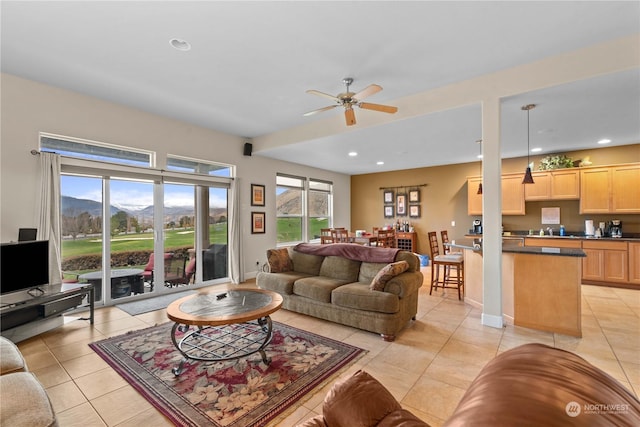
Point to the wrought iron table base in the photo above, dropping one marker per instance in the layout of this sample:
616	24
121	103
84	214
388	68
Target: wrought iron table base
219	343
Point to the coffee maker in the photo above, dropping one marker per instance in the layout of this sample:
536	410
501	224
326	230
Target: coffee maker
615	228
477	226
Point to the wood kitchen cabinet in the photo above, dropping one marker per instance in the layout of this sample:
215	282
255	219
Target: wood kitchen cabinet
634	263
606	261
611	189
512	195
595	189
563	184
625	189
551	242
474	200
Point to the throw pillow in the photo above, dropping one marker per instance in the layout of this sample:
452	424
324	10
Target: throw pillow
387	273
279	261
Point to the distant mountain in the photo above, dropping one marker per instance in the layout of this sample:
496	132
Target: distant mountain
72	207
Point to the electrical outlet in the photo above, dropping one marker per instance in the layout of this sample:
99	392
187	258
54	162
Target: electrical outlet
453	223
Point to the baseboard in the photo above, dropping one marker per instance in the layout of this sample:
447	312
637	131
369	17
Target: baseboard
492	320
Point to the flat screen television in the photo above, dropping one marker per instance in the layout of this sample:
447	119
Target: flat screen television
23	265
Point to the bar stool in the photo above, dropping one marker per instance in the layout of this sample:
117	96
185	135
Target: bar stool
448	261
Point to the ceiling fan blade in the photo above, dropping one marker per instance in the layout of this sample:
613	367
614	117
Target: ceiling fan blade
378	107
319	110
350	116
367	91
325	95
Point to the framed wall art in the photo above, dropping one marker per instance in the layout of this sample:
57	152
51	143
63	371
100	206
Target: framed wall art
388	197
388	211
257	195
414	211
257	222
401	204
414	196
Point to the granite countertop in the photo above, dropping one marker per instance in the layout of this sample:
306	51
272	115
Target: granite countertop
517	235
476	245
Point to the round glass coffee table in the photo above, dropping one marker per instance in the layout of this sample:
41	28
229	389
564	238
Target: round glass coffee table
223	324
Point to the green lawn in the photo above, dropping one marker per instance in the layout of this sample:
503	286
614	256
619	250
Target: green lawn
140	241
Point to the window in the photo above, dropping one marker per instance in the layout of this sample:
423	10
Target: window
184	164
320	207
129	211
91	150
303	207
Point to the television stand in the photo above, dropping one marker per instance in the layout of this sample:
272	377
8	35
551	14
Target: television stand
22	307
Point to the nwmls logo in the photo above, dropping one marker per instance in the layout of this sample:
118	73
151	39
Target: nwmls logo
573	409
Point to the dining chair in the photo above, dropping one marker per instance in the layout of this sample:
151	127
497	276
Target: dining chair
325	236
448	262
340	235
387	238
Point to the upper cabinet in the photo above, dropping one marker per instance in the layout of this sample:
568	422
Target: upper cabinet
512	195
562	184
613	189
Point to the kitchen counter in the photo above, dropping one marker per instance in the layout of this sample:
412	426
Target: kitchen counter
507	247
540	285
555	236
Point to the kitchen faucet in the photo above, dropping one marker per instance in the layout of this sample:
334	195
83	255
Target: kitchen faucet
550	230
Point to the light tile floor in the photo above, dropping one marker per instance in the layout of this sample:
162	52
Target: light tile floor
427	368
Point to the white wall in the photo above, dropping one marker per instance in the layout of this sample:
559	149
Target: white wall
28	108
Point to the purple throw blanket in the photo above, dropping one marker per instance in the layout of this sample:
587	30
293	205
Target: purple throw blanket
352	251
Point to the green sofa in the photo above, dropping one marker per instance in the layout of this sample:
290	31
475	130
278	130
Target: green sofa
336	282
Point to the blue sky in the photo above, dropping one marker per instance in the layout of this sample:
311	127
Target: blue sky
135	193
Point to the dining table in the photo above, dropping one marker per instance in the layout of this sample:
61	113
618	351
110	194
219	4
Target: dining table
367	239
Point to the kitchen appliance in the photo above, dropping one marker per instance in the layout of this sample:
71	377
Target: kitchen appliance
588	228
477	226
615	230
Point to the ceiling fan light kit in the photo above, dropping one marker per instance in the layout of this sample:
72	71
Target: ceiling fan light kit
350	99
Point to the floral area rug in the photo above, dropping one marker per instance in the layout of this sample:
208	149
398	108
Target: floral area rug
236	393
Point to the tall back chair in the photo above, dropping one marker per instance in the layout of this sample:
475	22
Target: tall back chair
445	239
325	236
340	235
448	262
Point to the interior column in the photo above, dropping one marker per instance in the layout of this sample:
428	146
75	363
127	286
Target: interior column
491	215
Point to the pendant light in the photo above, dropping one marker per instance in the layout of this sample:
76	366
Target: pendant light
480	157
528	178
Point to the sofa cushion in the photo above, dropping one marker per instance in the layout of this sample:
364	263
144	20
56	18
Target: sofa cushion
25	403
11	359
368	271
279	260
305	263
340	268
317	288
359	400
358	296
541	382
387	273
281	283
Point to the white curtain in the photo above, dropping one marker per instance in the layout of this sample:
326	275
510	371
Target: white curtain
49	227
236	273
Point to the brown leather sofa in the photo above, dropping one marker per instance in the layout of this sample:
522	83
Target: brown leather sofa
530	385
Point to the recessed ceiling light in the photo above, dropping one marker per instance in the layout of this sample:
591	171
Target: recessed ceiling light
379	163
353	153
536	150
604	141
180	44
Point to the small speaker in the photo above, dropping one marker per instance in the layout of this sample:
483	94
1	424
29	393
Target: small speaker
248	147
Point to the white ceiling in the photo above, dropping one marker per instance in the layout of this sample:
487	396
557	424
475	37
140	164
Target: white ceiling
251	63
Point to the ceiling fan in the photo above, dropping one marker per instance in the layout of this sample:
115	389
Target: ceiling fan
350	99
